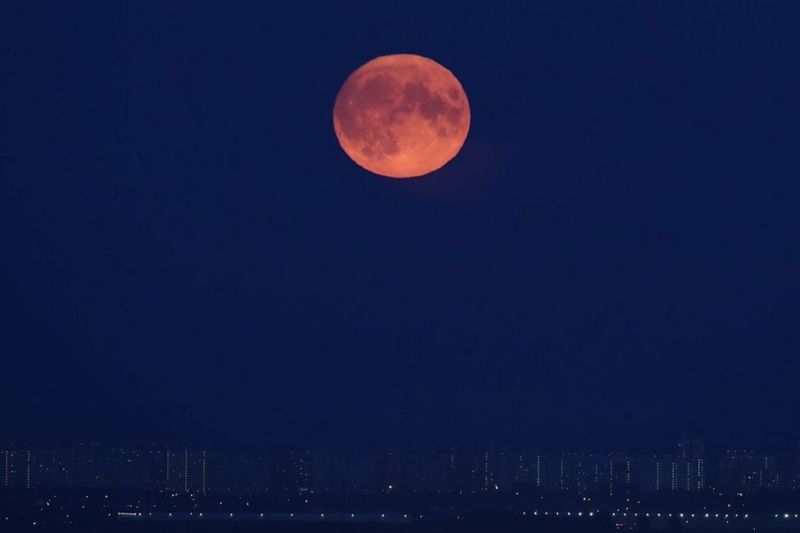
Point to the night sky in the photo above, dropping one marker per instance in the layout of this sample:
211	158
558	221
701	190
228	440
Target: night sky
611	260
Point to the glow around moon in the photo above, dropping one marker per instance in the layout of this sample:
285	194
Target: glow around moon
401	116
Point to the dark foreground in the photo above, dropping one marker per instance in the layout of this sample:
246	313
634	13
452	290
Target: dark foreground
478	525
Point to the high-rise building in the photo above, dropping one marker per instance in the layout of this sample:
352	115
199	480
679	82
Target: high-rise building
6	468
690	447
747	471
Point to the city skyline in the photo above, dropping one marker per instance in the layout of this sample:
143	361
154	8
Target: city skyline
685	468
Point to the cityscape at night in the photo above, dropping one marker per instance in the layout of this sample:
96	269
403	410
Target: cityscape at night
201	470
157	483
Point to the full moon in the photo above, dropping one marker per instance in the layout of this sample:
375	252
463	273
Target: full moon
401	116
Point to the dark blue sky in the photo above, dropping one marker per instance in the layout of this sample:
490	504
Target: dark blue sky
612	259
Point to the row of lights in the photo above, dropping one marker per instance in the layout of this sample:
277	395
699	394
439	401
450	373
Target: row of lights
537	513
680	515
231	515
557	513
658	515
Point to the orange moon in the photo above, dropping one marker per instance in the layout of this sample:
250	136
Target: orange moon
401	116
